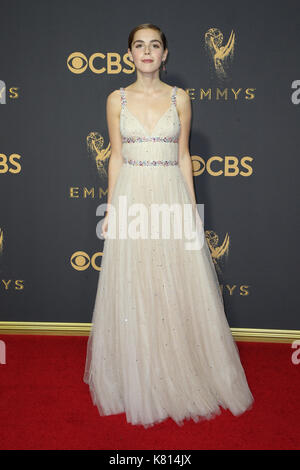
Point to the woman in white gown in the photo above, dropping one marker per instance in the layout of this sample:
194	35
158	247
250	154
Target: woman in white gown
160	344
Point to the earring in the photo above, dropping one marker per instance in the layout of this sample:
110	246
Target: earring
164	67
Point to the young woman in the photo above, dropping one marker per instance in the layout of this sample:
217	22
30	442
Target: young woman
160	344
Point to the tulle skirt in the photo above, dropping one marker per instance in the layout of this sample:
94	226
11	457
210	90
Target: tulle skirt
160	345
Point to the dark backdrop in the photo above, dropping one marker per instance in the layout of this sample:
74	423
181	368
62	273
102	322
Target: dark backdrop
54	133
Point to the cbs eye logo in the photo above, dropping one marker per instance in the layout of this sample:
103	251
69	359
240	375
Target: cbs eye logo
110	63
228	165
81	261
10	164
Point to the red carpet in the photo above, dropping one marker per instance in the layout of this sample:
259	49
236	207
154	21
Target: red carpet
44	404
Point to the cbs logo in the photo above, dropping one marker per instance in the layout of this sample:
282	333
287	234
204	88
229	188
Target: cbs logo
10	164
81	261
229	165
110	63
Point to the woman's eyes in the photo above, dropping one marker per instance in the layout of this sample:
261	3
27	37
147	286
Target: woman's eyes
154	45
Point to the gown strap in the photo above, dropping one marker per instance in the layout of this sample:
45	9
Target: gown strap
123	97
173	97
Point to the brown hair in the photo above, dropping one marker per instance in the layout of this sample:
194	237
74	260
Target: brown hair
146	26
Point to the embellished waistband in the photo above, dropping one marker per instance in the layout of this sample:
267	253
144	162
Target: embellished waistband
151	162
133	139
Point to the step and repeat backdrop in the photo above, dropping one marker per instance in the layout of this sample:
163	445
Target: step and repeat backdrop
240	65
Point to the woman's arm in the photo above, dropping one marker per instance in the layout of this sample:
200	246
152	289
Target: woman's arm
184	159
113	109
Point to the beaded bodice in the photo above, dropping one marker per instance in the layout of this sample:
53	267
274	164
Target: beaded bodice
156	148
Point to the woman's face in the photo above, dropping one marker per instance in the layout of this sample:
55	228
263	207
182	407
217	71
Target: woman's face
147	44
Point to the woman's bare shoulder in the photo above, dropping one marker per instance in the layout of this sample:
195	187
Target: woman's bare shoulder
114	95
183	99
113	100
182	94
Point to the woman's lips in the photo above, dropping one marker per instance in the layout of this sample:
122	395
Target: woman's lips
147	60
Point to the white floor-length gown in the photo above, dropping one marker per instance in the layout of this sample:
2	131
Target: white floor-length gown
160	344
